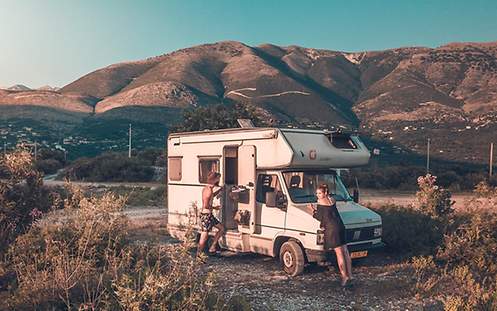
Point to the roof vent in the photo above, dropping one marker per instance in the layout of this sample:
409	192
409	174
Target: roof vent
245	123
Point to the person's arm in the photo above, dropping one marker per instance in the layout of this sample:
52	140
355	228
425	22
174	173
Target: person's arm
314	211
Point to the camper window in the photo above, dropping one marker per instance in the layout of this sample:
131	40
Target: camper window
342	141
205	166
302	185
174	168
265	184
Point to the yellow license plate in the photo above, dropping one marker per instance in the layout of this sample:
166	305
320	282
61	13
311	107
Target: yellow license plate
359	254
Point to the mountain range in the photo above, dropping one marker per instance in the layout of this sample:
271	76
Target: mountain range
400	96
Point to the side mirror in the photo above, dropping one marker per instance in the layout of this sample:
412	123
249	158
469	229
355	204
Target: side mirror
355	196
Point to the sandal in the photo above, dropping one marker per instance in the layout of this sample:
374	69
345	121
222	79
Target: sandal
214	254
347	283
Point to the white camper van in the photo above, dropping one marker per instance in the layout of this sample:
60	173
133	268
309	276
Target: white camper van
269	176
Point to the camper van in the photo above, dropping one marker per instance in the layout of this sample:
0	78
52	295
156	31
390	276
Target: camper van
269	176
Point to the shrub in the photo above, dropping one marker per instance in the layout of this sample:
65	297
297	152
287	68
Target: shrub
466	272
432	199
69	259
81	258
408	231
151	156
48	166
110	167
23	198
49	161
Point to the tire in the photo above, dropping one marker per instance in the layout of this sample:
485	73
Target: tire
292	258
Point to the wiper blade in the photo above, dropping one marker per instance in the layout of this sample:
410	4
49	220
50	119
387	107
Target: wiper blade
303	196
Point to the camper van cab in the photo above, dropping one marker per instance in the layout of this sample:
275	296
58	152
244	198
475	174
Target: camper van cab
269	176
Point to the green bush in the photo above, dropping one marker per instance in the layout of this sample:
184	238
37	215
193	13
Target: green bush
48	166
464	271
142	196
49	161
110	167
404	177
409	231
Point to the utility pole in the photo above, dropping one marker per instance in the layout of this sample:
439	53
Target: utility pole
428	157
4	147
491	160
36	151
129	151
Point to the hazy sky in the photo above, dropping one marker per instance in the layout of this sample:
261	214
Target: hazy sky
56	41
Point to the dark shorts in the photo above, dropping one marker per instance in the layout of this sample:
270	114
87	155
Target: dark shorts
208	221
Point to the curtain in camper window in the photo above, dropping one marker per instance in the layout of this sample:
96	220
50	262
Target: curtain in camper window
174	168
207	165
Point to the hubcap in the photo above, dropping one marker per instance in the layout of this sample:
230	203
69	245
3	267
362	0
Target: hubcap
288	259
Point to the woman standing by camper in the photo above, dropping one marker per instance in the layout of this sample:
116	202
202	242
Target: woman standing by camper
334	231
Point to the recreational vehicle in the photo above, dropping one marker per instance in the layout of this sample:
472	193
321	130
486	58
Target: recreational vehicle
269	176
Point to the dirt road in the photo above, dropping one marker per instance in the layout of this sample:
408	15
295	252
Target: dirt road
377	197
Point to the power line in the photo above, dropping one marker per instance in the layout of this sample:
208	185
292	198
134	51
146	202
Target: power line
428	157
129	150
490	167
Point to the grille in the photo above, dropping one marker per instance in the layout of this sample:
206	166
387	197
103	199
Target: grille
364	234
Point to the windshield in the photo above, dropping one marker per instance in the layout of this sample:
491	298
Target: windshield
302	185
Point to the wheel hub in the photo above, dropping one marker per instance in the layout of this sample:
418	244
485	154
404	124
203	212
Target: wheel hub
288	259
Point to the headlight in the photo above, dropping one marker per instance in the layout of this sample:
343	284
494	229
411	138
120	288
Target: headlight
320	237
377	232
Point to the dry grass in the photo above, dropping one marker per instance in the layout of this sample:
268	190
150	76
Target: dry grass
82	257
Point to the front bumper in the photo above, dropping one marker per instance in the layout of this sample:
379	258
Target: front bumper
322	255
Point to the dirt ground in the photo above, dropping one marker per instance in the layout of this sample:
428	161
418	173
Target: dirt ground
383	281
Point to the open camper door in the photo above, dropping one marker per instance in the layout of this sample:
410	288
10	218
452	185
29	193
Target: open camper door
246	178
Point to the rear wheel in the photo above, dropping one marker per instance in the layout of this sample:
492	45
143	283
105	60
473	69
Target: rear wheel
292	258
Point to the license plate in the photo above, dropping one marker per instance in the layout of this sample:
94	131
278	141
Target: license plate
359	254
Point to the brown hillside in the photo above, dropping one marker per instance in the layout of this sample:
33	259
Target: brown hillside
408	93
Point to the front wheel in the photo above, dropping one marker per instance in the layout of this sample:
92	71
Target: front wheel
292	258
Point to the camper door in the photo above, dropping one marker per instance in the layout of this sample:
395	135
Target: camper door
246	179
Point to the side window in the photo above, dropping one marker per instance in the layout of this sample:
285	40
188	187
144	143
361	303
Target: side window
205	166
174	169
265	184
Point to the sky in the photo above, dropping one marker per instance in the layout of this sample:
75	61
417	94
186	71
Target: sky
55	42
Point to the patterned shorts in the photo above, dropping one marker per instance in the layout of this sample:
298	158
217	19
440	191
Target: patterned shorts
208	221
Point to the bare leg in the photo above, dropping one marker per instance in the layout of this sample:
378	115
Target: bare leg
342	265
204	235
348	261
220	231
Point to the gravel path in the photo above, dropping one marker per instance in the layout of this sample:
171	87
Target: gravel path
382	282
379	285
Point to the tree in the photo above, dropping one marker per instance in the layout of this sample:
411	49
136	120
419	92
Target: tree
217	117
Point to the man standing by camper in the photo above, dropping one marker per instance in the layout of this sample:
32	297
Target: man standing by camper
208	221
